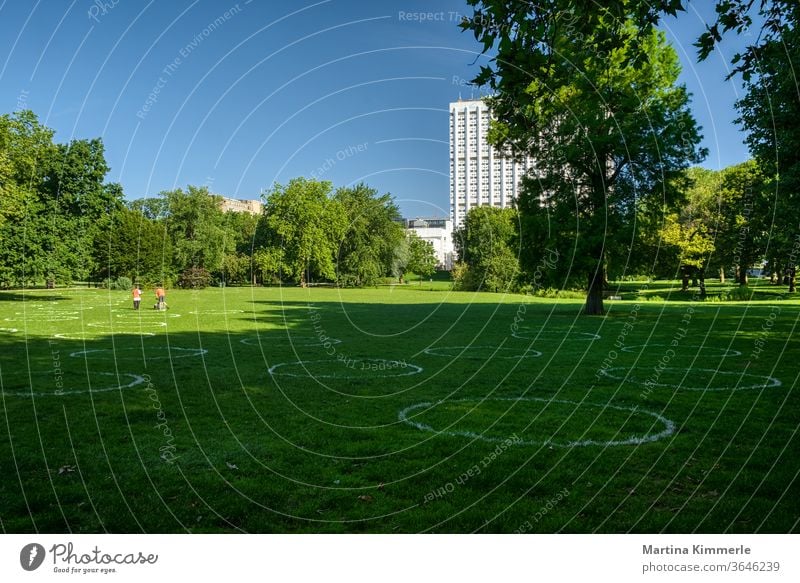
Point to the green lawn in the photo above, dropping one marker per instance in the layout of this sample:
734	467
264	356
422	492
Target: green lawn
396	409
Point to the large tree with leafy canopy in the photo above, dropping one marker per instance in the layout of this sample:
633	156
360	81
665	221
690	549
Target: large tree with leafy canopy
769	112
304	227
589	91
372	237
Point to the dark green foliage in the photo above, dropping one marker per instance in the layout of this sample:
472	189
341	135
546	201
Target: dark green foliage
591	94
195	224
194	278
769	114
131	245
366	250
488	246
304	224
54	203
421	257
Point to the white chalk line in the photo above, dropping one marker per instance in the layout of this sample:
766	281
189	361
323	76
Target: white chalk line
137	380
555	335
120	325
137	314
669	426
392	364
293	340
38	320
485	352
10	330
70	336
172	353
723	352
770	381
216	312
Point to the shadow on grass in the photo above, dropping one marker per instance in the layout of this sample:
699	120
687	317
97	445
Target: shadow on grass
193	430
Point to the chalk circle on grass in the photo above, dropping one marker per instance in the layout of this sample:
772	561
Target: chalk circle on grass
144	315
351	368
42	318
481	352
136	380
703	351
164	353
680	374
292	340
118	326
70	336
646	427
553	335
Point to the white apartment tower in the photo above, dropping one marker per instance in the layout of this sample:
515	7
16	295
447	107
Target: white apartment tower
478	174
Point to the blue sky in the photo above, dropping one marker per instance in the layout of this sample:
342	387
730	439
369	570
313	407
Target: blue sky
239	95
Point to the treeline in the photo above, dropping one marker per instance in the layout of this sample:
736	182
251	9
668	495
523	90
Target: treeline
61	222
723	226
597	104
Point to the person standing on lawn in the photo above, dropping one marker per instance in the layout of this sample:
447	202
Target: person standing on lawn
137	296
160	297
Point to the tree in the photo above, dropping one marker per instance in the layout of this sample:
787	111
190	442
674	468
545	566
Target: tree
133	246
421	256
367	247
769	111
25	148
694	244
306	225
745	216
75	199
237	260
487	247
592	97
153	208
195	224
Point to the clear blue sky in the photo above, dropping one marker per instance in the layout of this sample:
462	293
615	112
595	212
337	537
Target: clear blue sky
239	95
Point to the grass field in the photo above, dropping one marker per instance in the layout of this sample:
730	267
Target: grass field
398	409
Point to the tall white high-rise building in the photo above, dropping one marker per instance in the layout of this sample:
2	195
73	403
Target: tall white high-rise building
479	175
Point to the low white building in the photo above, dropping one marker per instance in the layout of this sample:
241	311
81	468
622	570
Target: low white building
439	232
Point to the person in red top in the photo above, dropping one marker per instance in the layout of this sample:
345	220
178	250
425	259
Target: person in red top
137	297
161	304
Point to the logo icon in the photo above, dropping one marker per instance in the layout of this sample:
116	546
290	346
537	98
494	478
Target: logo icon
31	556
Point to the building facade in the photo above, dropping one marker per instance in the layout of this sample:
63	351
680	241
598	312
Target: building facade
479	175
241	206
439	233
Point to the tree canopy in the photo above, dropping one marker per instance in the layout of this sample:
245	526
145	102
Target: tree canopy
592	97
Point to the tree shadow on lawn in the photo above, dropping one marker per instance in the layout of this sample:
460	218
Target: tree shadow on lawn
30	296
189	430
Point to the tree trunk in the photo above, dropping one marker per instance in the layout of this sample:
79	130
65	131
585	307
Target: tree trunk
722	275
742	279
594	299
702	278
792	273
684	281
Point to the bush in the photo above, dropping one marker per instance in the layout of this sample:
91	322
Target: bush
551	292
463	279
738	294
195	278
122	283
